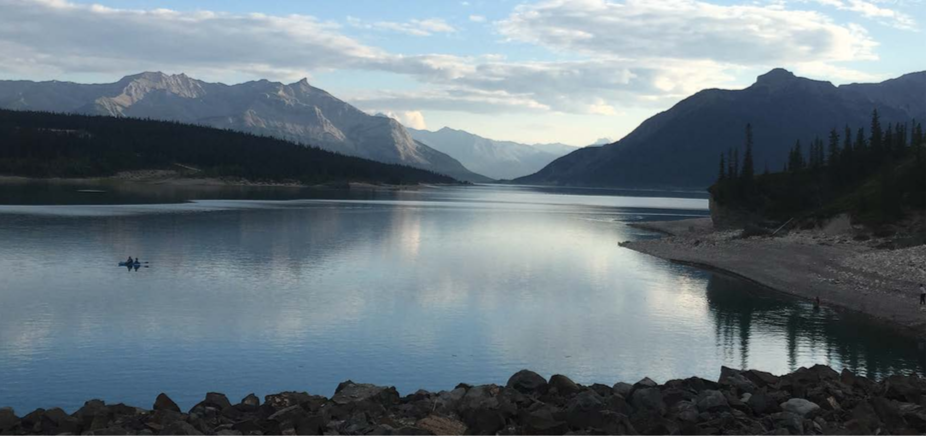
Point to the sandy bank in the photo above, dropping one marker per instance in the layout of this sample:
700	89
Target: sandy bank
843	272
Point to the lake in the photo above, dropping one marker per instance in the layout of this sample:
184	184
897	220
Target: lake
417	289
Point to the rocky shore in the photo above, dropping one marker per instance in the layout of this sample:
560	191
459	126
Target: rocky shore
844	268
814	401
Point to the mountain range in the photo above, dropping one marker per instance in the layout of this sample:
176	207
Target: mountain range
495	159
296	112
681	147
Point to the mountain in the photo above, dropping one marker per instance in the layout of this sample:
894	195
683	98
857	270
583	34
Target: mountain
296	112
601	142
45	145
681	147
496	159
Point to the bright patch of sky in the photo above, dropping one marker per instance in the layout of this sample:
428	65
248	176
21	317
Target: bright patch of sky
535	71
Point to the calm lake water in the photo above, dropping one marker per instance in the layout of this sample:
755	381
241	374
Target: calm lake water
417	289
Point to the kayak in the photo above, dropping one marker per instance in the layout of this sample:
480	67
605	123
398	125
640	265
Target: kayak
129	263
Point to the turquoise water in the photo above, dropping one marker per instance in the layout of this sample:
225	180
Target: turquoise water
418	289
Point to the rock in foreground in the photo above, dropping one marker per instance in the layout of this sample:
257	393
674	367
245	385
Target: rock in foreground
815	401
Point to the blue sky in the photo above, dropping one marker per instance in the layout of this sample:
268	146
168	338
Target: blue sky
531	71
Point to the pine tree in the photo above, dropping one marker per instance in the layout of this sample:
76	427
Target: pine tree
723	170
876	143
833	153
736	163
731	172
748	173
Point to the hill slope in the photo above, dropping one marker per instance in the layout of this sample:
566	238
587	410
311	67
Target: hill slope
681	146
39	144
496	159
296	112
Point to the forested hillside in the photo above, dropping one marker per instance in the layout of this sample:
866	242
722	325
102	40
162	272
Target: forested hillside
39	144
877	175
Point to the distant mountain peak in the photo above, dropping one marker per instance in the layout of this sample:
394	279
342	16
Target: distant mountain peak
776	75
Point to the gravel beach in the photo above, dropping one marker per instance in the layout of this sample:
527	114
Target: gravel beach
841	271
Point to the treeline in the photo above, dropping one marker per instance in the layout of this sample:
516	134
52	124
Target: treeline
40	144
876	176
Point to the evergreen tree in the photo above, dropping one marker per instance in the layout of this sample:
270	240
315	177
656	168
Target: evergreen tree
736	163
748	172
722	175
876	143
833	153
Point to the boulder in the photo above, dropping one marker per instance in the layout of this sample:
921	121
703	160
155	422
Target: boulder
478	397
216	400
613	423
57	422
889	412
791	422
484	421
350	392
801	407
291	414
563	385
286	399
760	378
8	421
712	401
181	428
904	388
582	411
651	423
736	379
528	382
542	422
648	399
622	389
251	400
441	426
163	402
761	403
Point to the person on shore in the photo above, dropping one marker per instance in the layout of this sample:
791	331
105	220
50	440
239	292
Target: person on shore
922	294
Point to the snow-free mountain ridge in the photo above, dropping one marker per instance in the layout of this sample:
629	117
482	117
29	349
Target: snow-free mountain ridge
297	112
681	147
489	157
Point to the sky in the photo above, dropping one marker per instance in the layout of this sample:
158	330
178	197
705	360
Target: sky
543	71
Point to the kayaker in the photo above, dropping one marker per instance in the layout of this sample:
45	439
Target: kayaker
129	261
136	261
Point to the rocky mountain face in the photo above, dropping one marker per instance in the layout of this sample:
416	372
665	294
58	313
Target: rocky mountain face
296	112
681	147
495	159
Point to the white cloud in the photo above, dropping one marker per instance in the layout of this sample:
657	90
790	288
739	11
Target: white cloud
410	118
687	29
632	53
418	28
868	9
477	18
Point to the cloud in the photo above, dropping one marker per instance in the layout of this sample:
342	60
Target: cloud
687	29
871	10
618	54
477	18
418	28
412	118
50	36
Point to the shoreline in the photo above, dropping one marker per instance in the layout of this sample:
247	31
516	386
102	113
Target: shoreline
844	273
809	401
171	178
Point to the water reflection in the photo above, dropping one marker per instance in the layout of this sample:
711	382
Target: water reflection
805	334
421	289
